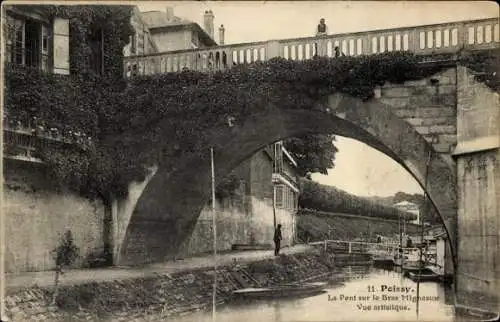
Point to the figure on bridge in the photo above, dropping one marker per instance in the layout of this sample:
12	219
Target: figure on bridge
322	28
337	52
277	240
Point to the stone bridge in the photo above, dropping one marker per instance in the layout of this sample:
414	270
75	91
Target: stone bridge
446	121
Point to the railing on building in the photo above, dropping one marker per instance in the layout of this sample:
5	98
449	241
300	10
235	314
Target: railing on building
352	247
421	40
25	140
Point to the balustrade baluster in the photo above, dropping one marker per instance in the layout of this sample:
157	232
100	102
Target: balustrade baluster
382	44
471	36
413	40
446	38
487	34
421	40
397	42
458	37
438	38
329	49
430	39
406	42
479	34
366	45
359	46
390	43
374	44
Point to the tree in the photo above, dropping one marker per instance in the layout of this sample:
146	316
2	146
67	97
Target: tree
330	199
313	152
64	254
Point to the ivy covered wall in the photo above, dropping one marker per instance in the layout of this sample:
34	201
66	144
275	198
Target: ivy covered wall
127	122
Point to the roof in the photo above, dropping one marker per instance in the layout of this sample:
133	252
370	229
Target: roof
405	203
155	19
158	21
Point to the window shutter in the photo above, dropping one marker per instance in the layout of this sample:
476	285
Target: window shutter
45	48
61	46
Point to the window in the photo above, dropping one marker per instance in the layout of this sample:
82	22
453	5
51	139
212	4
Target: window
195	42
28	43
133	45
145	48
96	42
286	198
278	158
140	43
279	203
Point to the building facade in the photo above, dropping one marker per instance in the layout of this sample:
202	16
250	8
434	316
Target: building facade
411	208
171	33
162	31
38	212
264	194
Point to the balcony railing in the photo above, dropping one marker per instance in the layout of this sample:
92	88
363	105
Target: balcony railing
24	140
421	40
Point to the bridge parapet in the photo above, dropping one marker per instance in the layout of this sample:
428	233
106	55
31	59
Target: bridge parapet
433	39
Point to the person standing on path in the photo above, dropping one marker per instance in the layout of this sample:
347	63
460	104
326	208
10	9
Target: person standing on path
277	240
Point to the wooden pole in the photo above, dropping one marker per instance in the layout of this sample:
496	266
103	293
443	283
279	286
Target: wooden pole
274	186
214	225
422	226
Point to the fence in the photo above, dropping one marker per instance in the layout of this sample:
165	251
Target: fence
421	40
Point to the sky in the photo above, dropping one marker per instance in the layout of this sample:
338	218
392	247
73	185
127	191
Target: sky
359	169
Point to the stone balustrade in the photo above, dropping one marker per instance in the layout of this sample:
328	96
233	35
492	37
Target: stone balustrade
422	40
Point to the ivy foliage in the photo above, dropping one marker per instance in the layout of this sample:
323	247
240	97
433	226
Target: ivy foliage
313	153
486	63
154	119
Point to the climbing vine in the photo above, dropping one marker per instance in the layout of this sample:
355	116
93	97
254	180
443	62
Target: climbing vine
486	64
155	118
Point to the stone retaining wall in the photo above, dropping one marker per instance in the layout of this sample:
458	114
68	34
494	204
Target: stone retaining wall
153	298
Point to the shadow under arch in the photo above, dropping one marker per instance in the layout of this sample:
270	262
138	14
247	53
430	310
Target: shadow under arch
169	206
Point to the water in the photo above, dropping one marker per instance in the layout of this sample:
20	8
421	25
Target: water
339	304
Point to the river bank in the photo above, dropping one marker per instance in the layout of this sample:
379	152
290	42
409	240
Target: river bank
166	294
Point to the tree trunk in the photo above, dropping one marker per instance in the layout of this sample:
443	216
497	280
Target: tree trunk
56	285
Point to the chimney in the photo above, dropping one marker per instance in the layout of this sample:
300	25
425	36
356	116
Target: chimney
208	22
170	13
221	34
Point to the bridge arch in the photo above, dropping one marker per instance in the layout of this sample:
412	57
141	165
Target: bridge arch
168	208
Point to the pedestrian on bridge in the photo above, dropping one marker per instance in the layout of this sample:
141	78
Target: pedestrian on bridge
322	28
338	53
277	240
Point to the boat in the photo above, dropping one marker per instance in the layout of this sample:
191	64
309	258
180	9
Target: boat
383	259
283	290
413	266
423	276
468	314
